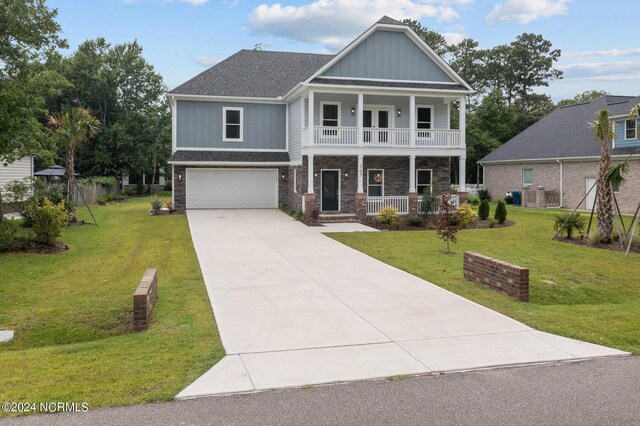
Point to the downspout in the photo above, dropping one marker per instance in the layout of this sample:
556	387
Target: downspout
561	183
483	175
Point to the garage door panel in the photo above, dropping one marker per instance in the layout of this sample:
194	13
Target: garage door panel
243	188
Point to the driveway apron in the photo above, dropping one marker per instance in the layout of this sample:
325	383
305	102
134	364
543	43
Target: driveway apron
297	308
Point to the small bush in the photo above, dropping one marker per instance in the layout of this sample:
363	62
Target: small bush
484	210
492	223
473	199
414	221
16	191
594	237
286	207
501	212
396	224
10	238
156	203
574	223
48	220
467	215
387	215
298	215
483	194
429	203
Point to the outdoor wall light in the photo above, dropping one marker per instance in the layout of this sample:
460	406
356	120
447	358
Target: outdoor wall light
180	177
315	175
283	176
399	112
346	175
353	111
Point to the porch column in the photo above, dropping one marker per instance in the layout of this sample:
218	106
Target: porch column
412	121
412	173
310	174
360	122
462	180
360	173
463	122
311	129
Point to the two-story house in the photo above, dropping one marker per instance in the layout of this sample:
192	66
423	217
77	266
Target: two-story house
560	155
343	134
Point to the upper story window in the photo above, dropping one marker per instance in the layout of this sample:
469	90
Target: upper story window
423	117
630	129
330	114
232	124
527	176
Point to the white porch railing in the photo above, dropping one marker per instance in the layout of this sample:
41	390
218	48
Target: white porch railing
375	204
393	137
435	208
438	138
335	136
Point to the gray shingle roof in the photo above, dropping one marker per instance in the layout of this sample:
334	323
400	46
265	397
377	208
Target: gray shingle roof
254	73
563	133
399	84
235	156
624	108
389	21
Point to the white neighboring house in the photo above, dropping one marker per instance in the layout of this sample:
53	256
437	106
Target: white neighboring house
18	170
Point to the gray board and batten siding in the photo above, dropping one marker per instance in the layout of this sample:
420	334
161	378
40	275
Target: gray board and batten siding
200	125
388	55
295	130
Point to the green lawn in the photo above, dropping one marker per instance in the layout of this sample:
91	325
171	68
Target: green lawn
580	292
72	312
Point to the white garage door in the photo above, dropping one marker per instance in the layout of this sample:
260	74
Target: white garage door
232	189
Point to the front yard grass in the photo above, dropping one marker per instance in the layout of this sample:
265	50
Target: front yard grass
579	292
72	312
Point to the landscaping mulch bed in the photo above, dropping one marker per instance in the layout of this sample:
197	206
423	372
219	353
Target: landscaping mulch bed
39	248
614	246
430	223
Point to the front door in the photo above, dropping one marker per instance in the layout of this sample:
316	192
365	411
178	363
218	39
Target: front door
591	196
330	197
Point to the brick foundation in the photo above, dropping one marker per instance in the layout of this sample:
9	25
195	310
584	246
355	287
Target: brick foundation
498	275
143	300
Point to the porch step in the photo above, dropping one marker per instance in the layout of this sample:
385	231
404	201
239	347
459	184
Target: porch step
337	218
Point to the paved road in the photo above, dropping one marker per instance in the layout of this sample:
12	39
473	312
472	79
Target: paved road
596	392
294	307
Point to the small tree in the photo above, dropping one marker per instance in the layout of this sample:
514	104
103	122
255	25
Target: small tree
448	221
604	130
484	210
501	212
570	223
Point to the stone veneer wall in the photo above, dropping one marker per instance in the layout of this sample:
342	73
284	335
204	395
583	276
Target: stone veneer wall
501	178
501	276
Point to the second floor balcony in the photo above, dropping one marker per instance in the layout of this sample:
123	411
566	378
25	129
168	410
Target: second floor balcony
334	136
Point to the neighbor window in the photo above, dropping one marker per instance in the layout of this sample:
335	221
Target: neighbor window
423	181
630	129
375	183
527	176
232	129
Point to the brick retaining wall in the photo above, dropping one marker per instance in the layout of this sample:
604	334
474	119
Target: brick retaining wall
501	276
144	298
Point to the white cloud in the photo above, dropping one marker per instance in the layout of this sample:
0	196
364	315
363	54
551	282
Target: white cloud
603	53
207	61
524	11
334	23
605	69
453	38
192	2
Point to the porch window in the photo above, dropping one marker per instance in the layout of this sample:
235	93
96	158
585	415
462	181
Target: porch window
232	129
527	176
630	129
375	182
330	117
423	181
423	121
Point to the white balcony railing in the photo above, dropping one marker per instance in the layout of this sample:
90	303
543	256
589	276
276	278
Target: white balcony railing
435	205
396	138
375	204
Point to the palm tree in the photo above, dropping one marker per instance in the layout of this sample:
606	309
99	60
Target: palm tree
73	128
603	129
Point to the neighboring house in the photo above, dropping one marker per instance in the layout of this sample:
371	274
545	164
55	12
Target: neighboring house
561	154
371	123
18	170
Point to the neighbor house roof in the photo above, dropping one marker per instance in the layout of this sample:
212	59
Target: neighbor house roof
563	133
254	73
232	156
51	171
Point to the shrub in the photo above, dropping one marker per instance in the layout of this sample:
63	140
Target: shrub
48	220
414	221
483	194
484	210
501	212
286	207
473	199
16	191
492	223
10	235
574	223
156	203
429	203
387	215
595	237
467	215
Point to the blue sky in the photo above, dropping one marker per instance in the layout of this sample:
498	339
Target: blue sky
181	38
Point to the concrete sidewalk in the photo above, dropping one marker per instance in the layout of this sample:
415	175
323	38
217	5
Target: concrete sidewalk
295	308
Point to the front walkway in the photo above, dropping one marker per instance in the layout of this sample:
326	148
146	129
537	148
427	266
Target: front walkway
295	308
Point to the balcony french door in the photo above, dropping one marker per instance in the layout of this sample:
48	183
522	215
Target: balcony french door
375	121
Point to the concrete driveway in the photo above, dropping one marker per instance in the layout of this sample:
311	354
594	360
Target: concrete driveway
295	308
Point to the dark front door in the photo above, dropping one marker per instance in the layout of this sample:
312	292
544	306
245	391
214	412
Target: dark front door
330	190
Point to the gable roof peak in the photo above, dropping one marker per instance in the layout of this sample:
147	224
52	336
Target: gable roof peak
389	21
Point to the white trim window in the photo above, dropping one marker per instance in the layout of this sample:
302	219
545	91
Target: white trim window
424	181
232	124
527	176
424	117
630	130
330	117
375	182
